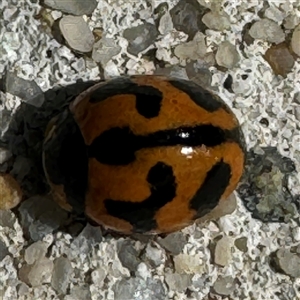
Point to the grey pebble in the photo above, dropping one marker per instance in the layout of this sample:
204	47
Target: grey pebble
40	272
27	90
140	37
178	282
295	42
74	7
187	17
3	250
267	30
128	255
77	33
288	262
224	285
61	275
227	55
104	50
174	242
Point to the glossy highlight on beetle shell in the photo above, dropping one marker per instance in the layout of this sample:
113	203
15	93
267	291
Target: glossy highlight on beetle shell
145	154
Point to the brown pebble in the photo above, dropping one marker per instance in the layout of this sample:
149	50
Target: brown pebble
280	59
10	192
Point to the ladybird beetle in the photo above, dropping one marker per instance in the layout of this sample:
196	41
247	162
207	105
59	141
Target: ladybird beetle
144	154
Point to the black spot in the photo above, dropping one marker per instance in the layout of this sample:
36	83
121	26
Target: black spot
199	95
228	83
66	160
148	98
118	146
141	215
208	195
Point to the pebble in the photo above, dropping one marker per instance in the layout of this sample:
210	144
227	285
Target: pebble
128	255
154	256
79	293
104	50
227	55
267	30
295	42
7	218
35	252
216	21
173	242
288	262
136	289
224	285
10	192
77	33
5	155
188	264
172	71
40	220
140	37
73	7
297	113
193	50
280	59
199	75
40	272
275	14
3	250
27	90
62	272
223	254
291	21
241	244
23	289
187	17
178	282
86	240
165	24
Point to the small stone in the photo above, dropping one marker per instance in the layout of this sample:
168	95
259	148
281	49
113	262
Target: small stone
3	250
61	275
216	21
27	90
223	253
35	252
128	255
98	277
295	42
297	113
40	272
173	242
288	262
136	288
178	282
296	98
154	255
227	55
187	17
280	59
140	37
74	7
77	33
10	192
201	76
86	240
40	215
267	30
172	71
188	264
291	21
80	293
241	244
224	285
7	218
23	289
104	50
165	24
273	13
5	155
193	50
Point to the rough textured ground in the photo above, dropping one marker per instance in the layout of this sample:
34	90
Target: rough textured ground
246	51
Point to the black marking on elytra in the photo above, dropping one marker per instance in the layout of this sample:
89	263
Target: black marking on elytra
208	195
66	160
148	98
141	215
117	146
199	95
